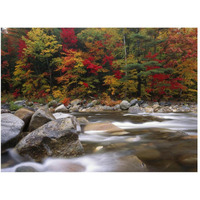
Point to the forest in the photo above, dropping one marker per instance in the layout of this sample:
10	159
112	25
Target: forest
152	64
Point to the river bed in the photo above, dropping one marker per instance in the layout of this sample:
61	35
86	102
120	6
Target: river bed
148	143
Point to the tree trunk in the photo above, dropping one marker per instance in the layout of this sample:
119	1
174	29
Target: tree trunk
125	55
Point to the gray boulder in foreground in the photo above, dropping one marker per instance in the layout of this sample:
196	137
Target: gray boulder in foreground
11	127
57	138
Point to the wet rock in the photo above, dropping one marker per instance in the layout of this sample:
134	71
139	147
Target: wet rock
142	119
63	165
135	109
24	114
117	107
148	109
140	102
165	134
20	103
74	119
98	149
144	105
155	104
104	127
25	169
188	160
107	108
40	117
82	120
97	108
133	102
94	102
75	108
62	115
61	108
89	105
130	163
182	109
11	128
29	103
75	102
147	154
165	109
5	106
5	111
57	138
52	110
124	105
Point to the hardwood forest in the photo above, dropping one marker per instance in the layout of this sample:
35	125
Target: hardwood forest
113	63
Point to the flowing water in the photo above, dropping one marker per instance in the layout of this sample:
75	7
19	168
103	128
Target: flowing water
149	142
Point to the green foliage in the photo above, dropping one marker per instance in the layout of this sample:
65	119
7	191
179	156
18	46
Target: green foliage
14	107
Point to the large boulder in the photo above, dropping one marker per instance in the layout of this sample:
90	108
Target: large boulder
61	108
24	114
11	128
40	117
124	105
57	138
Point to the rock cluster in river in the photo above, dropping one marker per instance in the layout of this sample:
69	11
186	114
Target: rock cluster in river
48	136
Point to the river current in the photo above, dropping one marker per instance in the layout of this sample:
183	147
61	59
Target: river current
145	145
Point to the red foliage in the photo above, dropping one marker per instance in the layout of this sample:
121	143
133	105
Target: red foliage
108	59
66	101
22	46
159	83
86	85
69	38
93	68
118	74
16	93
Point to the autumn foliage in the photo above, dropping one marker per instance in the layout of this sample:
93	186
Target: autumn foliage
105	63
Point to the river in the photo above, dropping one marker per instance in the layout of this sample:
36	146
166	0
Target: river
145	145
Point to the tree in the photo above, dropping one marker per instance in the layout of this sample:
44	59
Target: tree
34	69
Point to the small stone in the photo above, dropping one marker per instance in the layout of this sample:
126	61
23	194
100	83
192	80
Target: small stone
5	111
75	102
26	169
98	148
61	108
